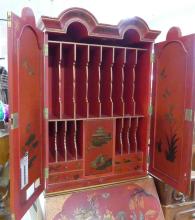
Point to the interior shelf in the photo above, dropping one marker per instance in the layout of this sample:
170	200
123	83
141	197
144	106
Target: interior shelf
98	108
65	141
88	81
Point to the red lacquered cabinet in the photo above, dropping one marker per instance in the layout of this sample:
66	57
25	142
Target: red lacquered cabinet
80	96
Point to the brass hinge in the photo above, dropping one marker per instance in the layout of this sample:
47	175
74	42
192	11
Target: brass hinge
152	58
46	173
14	120
46	113
45	50
9	19
150	110
188	114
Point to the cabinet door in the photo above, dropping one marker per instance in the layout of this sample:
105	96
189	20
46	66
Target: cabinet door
25	69
173	104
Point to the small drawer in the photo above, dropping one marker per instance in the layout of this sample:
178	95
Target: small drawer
127	167
66	176
129	158
65	166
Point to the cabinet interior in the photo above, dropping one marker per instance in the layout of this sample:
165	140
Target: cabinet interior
96	81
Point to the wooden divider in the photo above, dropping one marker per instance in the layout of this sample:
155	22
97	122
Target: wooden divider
133	135
53	80
119	136
129	81
118	82
126	135
81	87
68	80
106	81
95	59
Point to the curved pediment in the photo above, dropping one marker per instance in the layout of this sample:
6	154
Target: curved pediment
136	26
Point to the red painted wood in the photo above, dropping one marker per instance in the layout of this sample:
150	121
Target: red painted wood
82	104
119	138
118	82
106	81
68	166
26	98
99	139
129	82
68	80
53	80
126	135
99	75
95	56
171	132
95	29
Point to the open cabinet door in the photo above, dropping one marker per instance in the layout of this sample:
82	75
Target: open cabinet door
173	103
25	69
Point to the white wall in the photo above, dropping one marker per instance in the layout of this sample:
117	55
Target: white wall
159	14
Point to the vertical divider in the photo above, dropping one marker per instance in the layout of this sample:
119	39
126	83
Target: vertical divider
71	141
75	139
56	141
67	69
118	82
95	58
79	138
126	135
53	80
60	80
119	136
87	83
133	134
99	83
65	146
106	81
74	83
60	140
51	142
129	81
82	59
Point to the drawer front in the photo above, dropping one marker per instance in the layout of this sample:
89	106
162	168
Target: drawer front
66	176
67	166
99	146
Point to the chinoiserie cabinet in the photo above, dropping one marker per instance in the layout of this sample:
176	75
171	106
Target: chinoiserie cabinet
80	94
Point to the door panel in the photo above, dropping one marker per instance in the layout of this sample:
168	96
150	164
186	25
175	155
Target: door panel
25	69
172	119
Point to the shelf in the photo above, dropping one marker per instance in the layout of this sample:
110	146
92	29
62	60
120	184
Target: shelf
96	118
96	45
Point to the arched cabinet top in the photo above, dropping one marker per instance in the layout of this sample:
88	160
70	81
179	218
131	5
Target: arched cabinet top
135	26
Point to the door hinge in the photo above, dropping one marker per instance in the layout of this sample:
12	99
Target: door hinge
188	114
46	113
9	19
45	50
150	110
46	173
14	120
